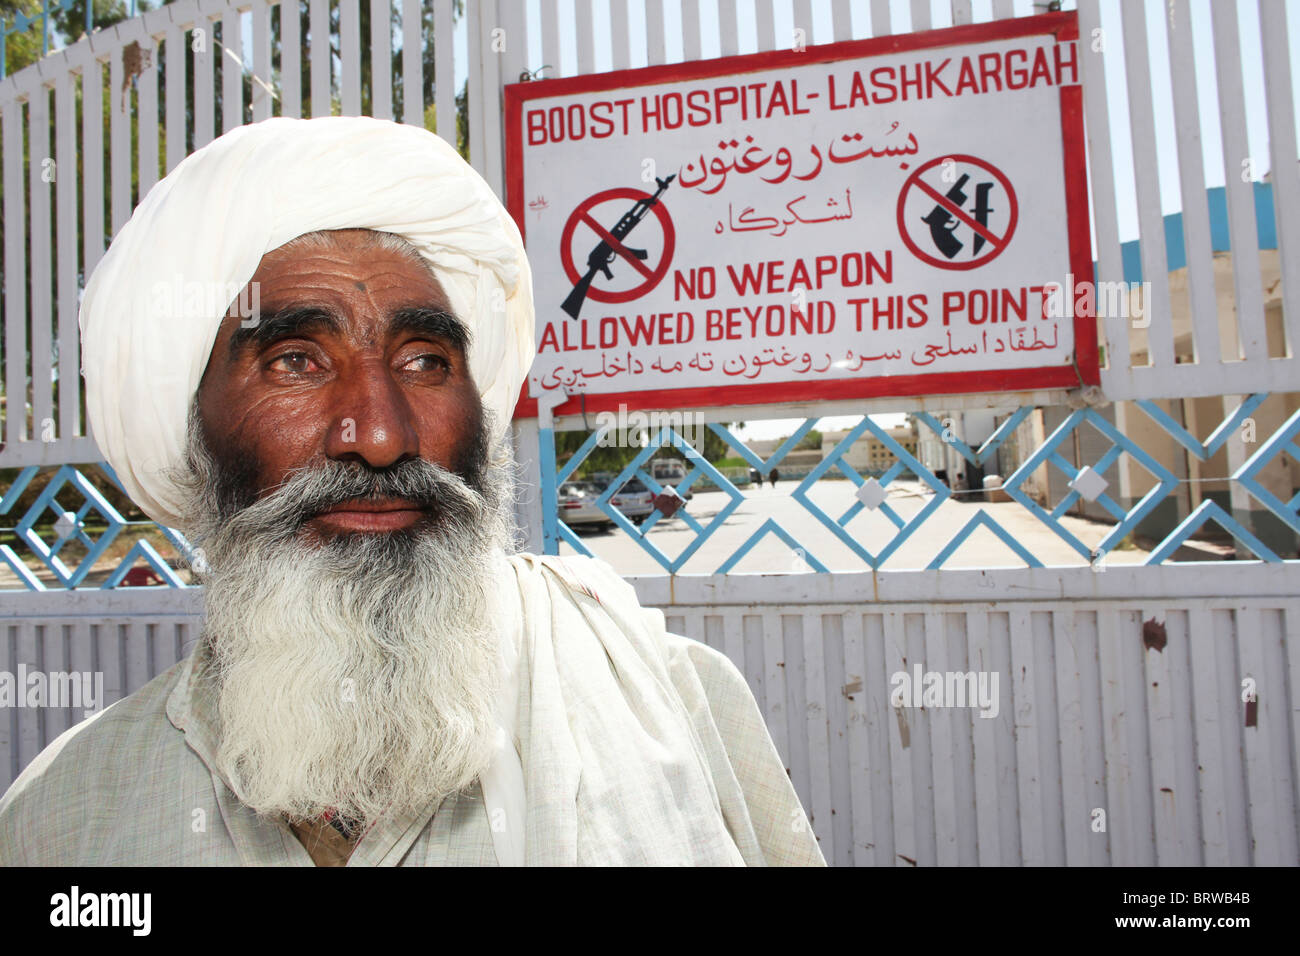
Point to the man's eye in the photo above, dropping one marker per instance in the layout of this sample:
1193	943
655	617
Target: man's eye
293	362
428	363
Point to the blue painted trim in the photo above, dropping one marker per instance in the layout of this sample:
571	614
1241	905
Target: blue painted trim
1207	510
550	517
1246	474
982	520
770	527
143	549
1216	440
1217	201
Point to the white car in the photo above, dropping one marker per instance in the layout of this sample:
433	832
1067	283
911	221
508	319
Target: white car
634	499
576	502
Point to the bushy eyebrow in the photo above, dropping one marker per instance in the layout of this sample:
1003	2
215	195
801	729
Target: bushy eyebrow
431	323
282	324
300	320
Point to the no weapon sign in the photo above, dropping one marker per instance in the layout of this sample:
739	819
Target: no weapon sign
957	212
625	252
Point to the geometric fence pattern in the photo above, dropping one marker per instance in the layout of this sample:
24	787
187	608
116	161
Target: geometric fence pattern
68	500
1086	482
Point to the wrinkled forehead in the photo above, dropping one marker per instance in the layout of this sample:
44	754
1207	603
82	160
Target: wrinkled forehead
367	259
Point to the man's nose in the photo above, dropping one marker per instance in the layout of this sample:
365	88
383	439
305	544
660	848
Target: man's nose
371	420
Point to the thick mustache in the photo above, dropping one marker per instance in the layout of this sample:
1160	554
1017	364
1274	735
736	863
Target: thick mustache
425	489
310	491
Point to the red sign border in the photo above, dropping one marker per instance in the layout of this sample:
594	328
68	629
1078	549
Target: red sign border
1085	370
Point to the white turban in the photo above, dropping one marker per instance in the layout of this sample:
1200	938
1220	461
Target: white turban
208	223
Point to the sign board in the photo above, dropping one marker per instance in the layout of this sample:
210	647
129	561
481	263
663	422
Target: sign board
895	216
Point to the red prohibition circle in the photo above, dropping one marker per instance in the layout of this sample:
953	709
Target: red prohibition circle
652	276
1001	242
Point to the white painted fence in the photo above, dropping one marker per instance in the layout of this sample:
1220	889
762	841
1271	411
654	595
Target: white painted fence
1094	713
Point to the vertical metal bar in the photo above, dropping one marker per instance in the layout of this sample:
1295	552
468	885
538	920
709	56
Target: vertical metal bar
65	152
902	737
1155	259
858	695
477	97
92	164
654	29
880	25
841	20
39	189
119	150
1286	177
490	112
147	119
290	59
1117	377
816	730
413	63
15	243
1191	175
1247	282
174	92
232	73
318	26
765	23
920	15
943	733
774	682
30	719
204	44
728	28
515	56
620	49
690	30
381	59
1027	706
551	33
585	37
444	91
261	93
803	19
350	56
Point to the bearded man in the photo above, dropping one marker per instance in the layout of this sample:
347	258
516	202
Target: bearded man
378	680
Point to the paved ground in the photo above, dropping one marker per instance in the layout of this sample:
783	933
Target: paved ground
873	529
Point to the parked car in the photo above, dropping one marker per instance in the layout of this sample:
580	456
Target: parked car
576	502
670	472
634	499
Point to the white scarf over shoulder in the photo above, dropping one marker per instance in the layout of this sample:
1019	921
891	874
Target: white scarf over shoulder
602	763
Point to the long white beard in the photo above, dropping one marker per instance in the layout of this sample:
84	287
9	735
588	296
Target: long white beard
362	679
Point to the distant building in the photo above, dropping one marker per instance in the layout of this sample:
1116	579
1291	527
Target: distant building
869	455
